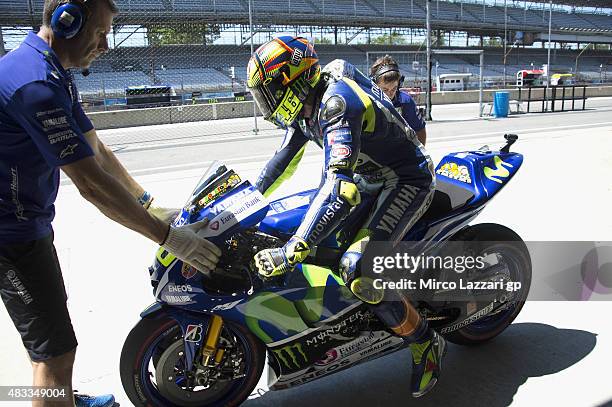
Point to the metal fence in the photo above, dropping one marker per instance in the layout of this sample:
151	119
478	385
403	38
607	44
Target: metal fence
172	53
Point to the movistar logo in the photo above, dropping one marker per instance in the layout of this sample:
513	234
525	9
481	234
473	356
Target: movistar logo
291	355
500	170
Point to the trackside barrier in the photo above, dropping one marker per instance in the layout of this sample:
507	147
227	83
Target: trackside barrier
554	94
237	109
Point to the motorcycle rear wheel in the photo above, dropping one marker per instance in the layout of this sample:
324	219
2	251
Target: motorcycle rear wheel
509	246
153	350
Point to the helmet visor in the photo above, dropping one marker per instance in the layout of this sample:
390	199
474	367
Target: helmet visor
265	101
279	106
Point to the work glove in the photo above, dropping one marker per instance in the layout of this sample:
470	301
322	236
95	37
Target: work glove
166	215
278	261
184	243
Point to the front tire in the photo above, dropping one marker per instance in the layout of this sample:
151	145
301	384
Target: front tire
153	348
511	250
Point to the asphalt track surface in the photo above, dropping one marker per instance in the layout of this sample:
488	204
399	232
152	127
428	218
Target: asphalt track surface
556	353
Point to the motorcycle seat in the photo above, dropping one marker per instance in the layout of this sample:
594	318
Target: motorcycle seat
448	196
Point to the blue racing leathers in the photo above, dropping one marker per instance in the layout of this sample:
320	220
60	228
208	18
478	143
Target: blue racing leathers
361	133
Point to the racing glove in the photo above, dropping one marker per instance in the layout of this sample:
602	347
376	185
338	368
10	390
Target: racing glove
278	261
184	243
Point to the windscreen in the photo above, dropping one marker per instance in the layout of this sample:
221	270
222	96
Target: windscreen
216	182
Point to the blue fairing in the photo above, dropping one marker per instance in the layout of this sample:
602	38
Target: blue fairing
286	214
483	173
241	208
465	182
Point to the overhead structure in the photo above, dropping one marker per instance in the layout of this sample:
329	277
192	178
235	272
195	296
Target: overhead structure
580	3
475	18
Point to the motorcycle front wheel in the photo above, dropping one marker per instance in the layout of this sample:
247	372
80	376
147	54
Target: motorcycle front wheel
153	373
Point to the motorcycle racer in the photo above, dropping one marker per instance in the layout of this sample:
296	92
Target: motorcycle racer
360	132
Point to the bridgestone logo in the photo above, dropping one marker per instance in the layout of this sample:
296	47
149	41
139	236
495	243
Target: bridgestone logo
469	320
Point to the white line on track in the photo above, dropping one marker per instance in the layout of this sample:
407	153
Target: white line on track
209	139
521	131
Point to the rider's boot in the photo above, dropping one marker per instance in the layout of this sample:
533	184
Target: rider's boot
426	345
427	356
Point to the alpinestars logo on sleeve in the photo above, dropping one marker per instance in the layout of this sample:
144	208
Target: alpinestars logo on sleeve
68	151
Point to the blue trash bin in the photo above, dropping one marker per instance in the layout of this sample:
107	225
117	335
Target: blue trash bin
501	104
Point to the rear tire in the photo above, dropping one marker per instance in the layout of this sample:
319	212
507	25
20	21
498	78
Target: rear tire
500	240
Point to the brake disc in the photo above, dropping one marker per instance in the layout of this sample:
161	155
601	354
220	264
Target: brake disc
172	380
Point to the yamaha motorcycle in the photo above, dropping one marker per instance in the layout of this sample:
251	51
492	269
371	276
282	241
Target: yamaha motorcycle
204	340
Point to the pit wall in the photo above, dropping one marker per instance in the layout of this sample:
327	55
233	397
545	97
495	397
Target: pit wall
230	110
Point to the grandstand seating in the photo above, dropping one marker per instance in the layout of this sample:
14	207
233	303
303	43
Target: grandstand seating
110	83
140	5
204	79
376	10
526	17
405	9
113	83
206	68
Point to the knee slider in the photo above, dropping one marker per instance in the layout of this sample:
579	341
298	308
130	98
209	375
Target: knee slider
363	288
348	191
348	266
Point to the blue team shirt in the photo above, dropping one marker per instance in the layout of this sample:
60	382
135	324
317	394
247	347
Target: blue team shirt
409	111
42	127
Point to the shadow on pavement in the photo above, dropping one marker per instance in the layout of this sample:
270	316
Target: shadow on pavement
486	375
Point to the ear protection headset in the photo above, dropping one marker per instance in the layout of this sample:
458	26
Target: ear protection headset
68	18
383	69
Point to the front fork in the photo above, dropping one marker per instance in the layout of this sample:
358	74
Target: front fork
209	350
201	348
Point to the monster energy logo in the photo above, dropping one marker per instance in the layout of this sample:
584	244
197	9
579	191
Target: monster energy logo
289	355
499	170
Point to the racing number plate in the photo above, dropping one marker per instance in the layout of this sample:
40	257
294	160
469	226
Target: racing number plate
289	106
